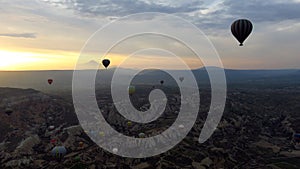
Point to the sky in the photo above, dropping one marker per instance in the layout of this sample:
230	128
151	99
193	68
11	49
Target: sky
49	34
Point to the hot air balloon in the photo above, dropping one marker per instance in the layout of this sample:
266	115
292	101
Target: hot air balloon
51	127
101	133
77	158
297	137
115	150
8	111
81	144
52	141
181	126
161	82
129	123
131	90
59	152
50	81
241	29
181	78
105	63
142	135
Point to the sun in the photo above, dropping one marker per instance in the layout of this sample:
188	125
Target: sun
10	60
37	60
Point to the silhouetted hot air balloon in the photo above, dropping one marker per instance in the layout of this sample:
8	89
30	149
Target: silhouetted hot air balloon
50	81
161	82
105	63
8	111
181	78
131	90
241	29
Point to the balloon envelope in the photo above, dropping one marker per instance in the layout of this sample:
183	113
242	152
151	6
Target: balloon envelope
241	29
297	137
59	151
129	123
161	82
105	62
101	133
142	135
50	81
181	78
8	111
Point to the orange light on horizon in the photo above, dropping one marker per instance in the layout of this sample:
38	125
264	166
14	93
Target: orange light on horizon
65	60
17	60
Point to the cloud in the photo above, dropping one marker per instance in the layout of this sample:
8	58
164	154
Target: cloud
264	11
19	35
217	15
126	7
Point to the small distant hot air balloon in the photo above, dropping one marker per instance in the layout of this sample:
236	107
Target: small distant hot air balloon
77	158
142	135
81	144
181	126
101	133
297	137
115	150
51	127
53	141
241	29
161	82
8	111
50	81
59	152
129	123
181	78
131	90
105	63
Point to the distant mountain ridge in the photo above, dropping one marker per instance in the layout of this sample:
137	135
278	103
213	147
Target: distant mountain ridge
63	78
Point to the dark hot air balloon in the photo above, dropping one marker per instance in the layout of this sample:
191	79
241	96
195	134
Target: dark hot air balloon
50	81
105	63
161	82
181	78
8	111
241	29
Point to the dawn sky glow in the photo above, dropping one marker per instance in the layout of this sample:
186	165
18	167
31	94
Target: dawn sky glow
49	34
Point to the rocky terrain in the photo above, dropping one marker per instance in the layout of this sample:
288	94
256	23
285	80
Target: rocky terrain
256	131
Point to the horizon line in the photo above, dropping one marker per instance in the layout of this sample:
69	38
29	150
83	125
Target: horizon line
249	69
